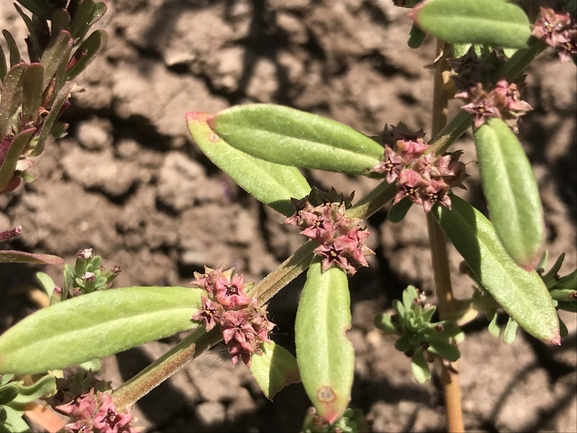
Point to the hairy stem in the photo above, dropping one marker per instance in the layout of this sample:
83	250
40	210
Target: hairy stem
164	367
440	260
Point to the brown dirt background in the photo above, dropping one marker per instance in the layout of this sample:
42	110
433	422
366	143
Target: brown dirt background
128	182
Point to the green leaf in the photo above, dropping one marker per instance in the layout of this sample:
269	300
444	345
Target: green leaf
27	393
522	294
8	393
95	325
46	282
3	65
56	54
46	129
8	166
325	356
32	91
416	37
10	99
420	367
398	211
494	328
511	191
510	331
274	369
42	8
444	349
490	22
87	52
272	184
15	57
291	137
14	422
34	48
88	12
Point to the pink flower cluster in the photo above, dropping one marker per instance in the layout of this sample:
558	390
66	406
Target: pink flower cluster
422	177
96	412
559	30
341	238
243	323
504	102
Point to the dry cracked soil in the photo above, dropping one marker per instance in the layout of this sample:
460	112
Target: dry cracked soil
129	182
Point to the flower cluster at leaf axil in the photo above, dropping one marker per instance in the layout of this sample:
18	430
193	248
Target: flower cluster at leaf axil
243	323
472	76
96	412
87	275
421	176
90	406
341	239
558	30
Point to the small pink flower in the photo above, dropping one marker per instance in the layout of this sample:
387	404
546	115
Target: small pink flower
408	185
411	150
436	192
81	407
558	30
107	418
230	292
210	313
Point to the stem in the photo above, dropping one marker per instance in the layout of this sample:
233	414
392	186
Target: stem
164	367
440	260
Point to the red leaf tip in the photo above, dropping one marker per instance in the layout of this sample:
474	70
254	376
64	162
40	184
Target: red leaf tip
197	116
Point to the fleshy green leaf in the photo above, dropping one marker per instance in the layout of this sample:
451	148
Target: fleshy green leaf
416	37
27	393
325	356
46	129
511	191
398	211
420	367
96	325
3	65
510	331
43	8
8	166
15	57
87	52
494	328
492	22
56	54
274	369
10	98
8	393
291	137
444	349
32	91
14	422
521	293
272	184
88	12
